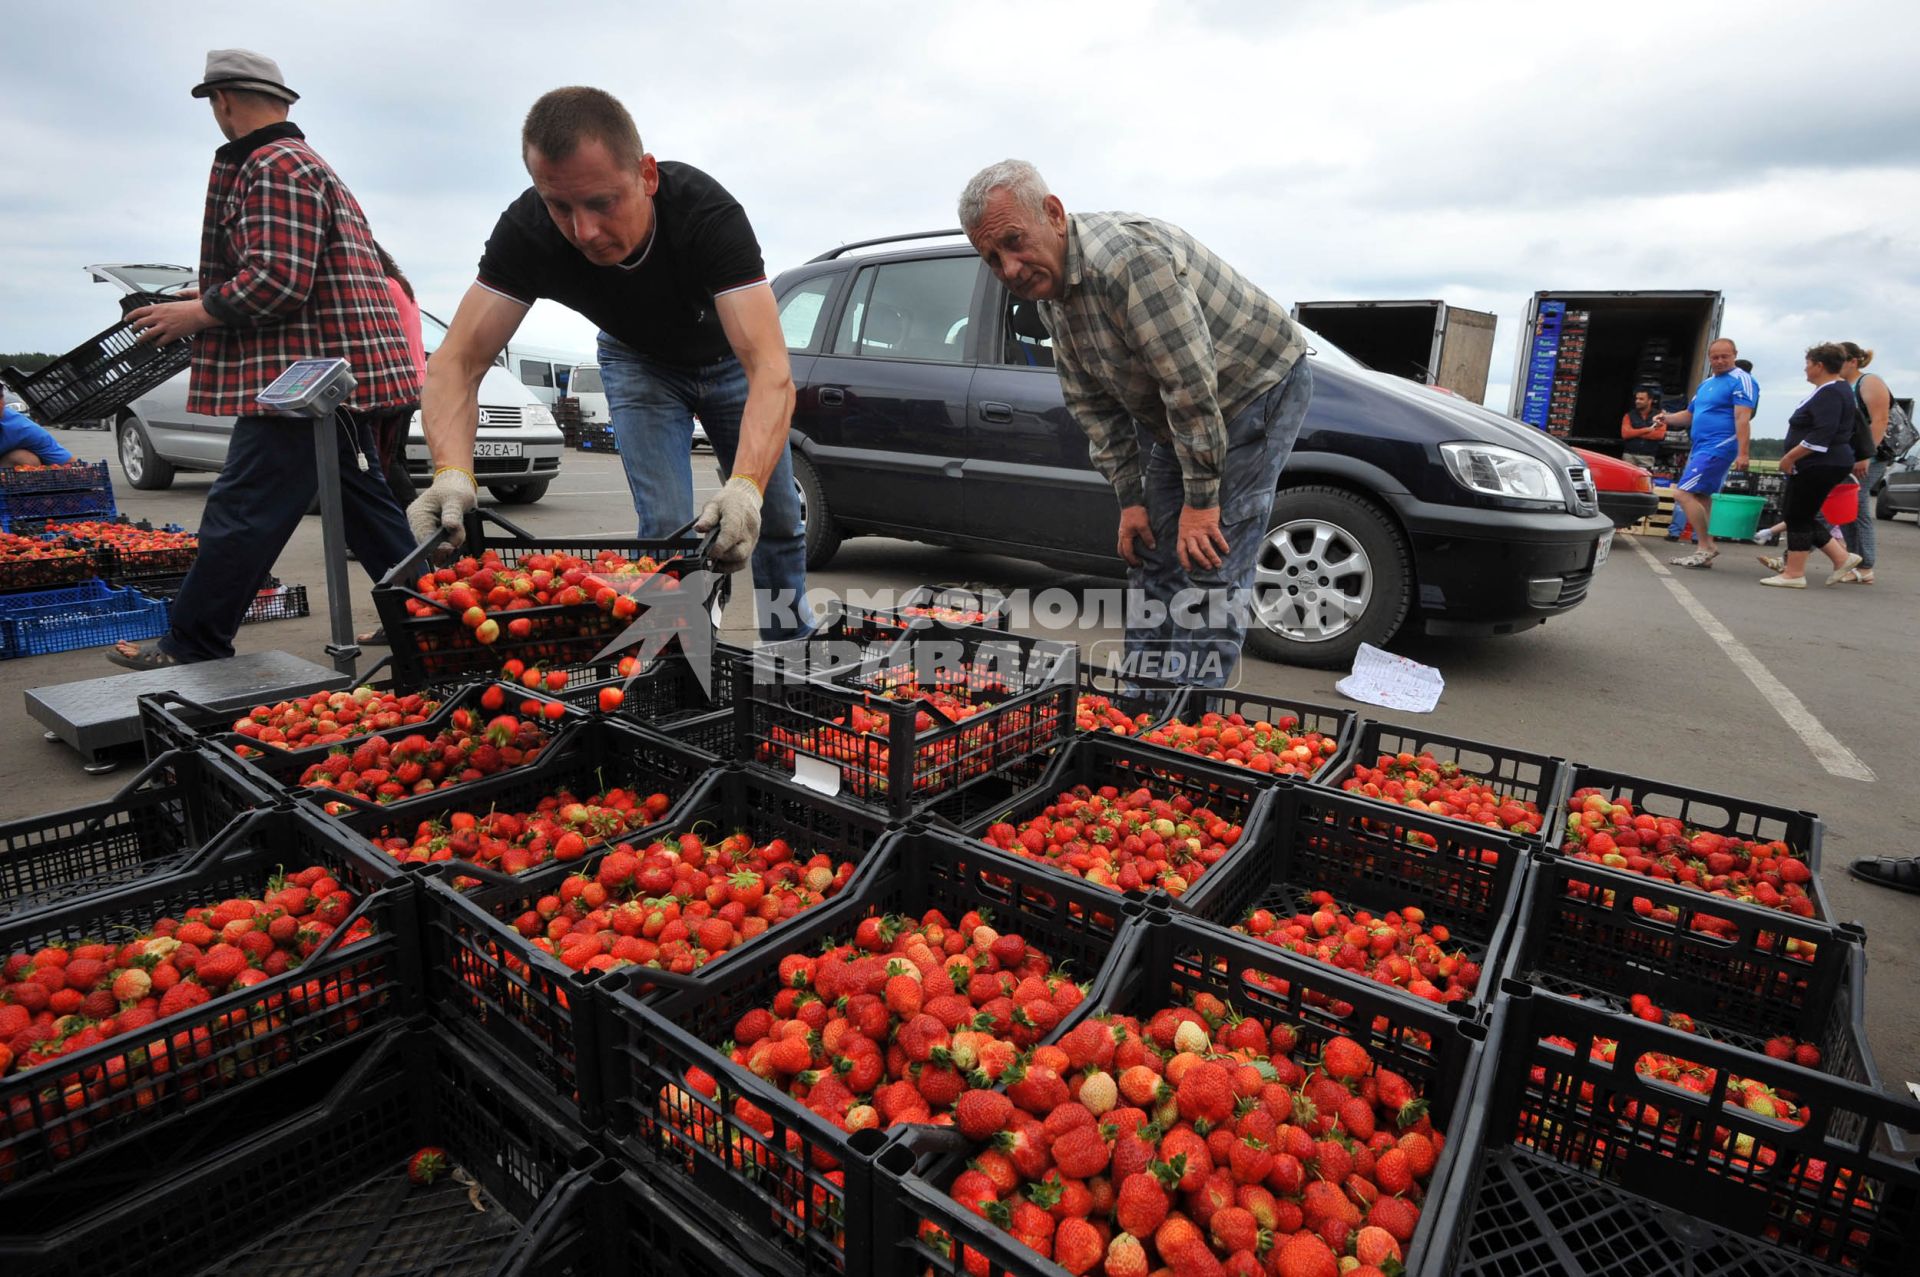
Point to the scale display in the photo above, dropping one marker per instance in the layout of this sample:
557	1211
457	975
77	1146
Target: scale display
309	387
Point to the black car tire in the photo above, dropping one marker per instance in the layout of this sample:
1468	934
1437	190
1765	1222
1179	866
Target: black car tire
1354	530
823	535
519	493
1883	506
145	469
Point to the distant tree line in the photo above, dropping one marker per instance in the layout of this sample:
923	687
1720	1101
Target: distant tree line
29	361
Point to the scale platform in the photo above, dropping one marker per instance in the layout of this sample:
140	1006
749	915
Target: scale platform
94	715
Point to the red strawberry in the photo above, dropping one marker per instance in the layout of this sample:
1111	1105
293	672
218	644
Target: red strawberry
1420	1154
1393	1172
1397	1215
427	1165
1143	1199
981	1114
1305	1255
1077	1246
1083	1152
1345	1059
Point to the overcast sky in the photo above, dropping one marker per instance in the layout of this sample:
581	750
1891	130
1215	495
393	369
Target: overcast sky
1473	152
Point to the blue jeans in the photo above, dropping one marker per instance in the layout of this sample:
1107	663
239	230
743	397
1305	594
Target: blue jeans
1861	533
1203	650
653	406
252	510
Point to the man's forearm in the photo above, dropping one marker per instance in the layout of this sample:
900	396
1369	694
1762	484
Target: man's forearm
1743	427
764	425
450	411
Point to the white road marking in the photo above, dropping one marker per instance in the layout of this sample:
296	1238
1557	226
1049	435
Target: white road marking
1823	744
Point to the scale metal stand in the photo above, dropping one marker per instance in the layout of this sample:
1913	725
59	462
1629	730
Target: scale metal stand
98	714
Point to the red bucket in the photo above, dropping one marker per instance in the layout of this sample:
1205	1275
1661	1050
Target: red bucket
1842	504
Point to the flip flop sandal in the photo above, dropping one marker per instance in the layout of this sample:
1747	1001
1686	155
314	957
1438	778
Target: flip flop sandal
372	638
1902	873
151	657
1696	560
1772	562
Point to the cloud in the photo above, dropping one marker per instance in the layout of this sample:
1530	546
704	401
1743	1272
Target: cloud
1471	151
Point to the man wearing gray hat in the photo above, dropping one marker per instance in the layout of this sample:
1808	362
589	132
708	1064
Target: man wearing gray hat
288	270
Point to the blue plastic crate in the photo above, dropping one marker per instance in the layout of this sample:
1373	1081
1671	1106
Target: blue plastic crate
73	623
88	591
28	511
79	477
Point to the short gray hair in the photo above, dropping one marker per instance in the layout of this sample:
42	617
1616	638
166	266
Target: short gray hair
1017	176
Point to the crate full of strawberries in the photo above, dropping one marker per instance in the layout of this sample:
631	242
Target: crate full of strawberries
34	563
545	603
1503	788
508	955
1268	736
769	1087
1202	1124
124	1015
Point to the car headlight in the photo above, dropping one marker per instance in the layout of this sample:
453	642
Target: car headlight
1501	472
537	414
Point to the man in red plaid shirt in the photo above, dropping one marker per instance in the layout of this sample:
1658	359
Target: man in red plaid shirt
288	271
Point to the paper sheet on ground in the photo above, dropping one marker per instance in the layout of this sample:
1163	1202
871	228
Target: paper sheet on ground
1381	678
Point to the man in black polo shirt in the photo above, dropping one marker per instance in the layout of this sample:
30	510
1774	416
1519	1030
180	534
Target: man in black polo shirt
665	262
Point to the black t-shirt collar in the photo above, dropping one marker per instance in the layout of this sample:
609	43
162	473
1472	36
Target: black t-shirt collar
241	147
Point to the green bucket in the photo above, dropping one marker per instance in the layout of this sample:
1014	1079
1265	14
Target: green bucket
1735	518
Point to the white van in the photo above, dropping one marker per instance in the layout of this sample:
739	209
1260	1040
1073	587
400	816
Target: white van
584	386
545	370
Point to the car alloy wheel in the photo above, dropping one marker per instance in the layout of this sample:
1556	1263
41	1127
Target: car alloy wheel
1312	582
133	455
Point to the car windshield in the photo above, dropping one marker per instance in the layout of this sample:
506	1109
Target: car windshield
153	279
1324	351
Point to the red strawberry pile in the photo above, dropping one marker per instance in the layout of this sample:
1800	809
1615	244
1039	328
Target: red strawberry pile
1202	1142
560	827
1782	1047
19	549
679	902
58	1000
1442	789
327	718
481	591
1125	841
1098	713
1609	832
896	1026
126	536
1396	948
383	770
948	615
1746	1093
1278	747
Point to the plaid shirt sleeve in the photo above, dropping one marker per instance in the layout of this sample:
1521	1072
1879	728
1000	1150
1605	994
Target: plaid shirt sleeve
1160	318
276	239
1113	444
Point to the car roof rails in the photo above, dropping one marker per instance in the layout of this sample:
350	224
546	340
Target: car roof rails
832	253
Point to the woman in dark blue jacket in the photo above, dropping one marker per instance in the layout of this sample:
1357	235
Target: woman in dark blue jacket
1819	457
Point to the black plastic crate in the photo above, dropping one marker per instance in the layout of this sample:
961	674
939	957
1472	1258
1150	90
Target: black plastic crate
1378	857
77	476
321	1185
123	566
1512	773
973	606
1576	1175
78	1110
1101	760
590	759
856	741
177	805
1177	959
1581	933
435	646
483	972
171	721
1698	809
101	375
60	568
280	770
1146	702
1338	725
667	692
780	1182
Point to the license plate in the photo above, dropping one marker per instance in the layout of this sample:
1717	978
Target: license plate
495	448
1602	550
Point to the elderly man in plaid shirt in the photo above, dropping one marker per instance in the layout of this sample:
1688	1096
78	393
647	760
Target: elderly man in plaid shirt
288	271
1191	385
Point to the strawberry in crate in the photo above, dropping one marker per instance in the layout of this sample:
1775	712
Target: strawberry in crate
327	718
559	827
679	902
1397	948
1610	832
1202	1141
1423	783
1278	746
1124	841
382	770
1097	713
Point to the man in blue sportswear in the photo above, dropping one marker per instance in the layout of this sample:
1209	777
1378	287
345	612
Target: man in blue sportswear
1720	417
22	443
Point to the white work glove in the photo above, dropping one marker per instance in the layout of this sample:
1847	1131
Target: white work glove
446	504
735	511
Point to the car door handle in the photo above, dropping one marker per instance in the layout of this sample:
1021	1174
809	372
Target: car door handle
991	411
832	396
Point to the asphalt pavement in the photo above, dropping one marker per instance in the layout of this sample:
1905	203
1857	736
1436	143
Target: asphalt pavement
1807	699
